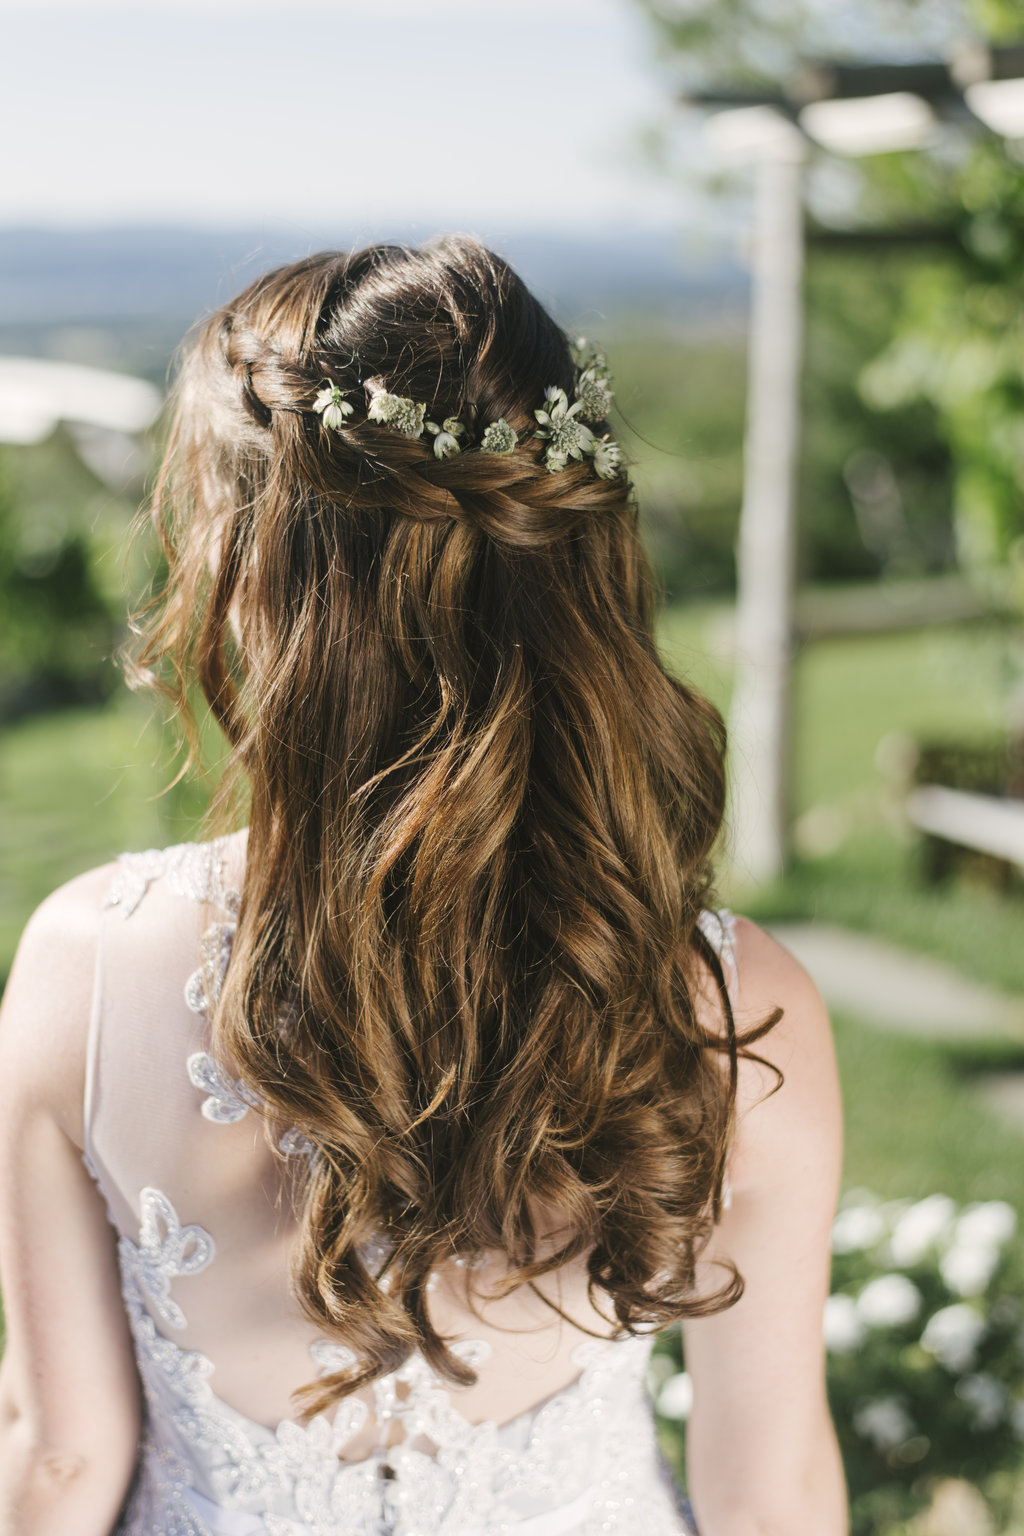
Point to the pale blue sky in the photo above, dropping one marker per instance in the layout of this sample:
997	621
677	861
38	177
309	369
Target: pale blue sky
364	113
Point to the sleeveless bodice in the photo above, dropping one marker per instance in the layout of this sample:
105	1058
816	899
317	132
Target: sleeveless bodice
556	1439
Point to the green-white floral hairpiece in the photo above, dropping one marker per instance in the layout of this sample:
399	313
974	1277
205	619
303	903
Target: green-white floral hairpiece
593	390
446	436
565	428
332	406
397	411
567	436
499	437
607	457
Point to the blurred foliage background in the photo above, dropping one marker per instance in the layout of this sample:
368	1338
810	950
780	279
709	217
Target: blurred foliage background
911	476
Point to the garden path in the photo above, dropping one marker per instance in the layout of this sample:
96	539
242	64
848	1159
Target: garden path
892	988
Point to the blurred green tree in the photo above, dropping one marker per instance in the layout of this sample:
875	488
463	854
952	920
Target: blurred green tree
958	345
61	603
954	345
745	42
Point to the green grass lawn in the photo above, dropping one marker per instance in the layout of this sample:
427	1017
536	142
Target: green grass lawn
915	1125
76	788
852	692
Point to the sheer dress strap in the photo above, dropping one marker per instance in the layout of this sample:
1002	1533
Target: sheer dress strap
718	925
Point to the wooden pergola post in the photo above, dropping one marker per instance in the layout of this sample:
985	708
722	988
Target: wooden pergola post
759	720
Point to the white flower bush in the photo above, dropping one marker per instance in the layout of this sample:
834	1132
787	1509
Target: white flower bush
987	1399
952	1335
992	1223
856	1228
676	1397
919	1229
885	1422
845	1329
979	1237
890	1301
924	1334
967	1270
933	1383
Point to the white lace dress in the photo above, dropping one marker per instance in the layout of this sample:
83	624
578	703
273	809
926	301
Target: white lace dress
555	1439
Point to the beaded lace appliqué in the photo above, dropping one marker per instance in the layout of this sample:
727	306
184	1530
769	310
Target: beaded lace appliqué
166	1249
228	1099
194	870
719	928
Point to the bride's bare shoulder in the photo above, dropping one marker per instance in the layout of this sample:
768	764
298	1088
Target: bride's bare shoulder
44	1017
768	976
788	1101
58	943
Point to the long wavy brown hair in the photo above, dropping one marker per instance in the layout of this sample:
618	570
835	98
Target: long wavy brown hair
480	811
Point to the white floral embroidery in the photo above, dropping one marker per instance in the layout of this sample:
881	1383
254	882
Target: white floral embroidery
93	1172
593	1443
204	986
478	1260
195	870
295	1143
166	1250
330	1357
133	877
229	1099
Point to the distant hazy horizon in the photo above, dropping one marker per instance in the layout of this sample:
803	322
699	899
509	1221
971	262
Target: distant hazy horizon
117	276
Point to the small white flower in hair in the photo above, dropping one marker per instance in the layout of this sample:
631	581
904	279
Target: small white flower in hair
607	457
567	437
446	437
397	411
499	437
593	392
331	404
558	403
